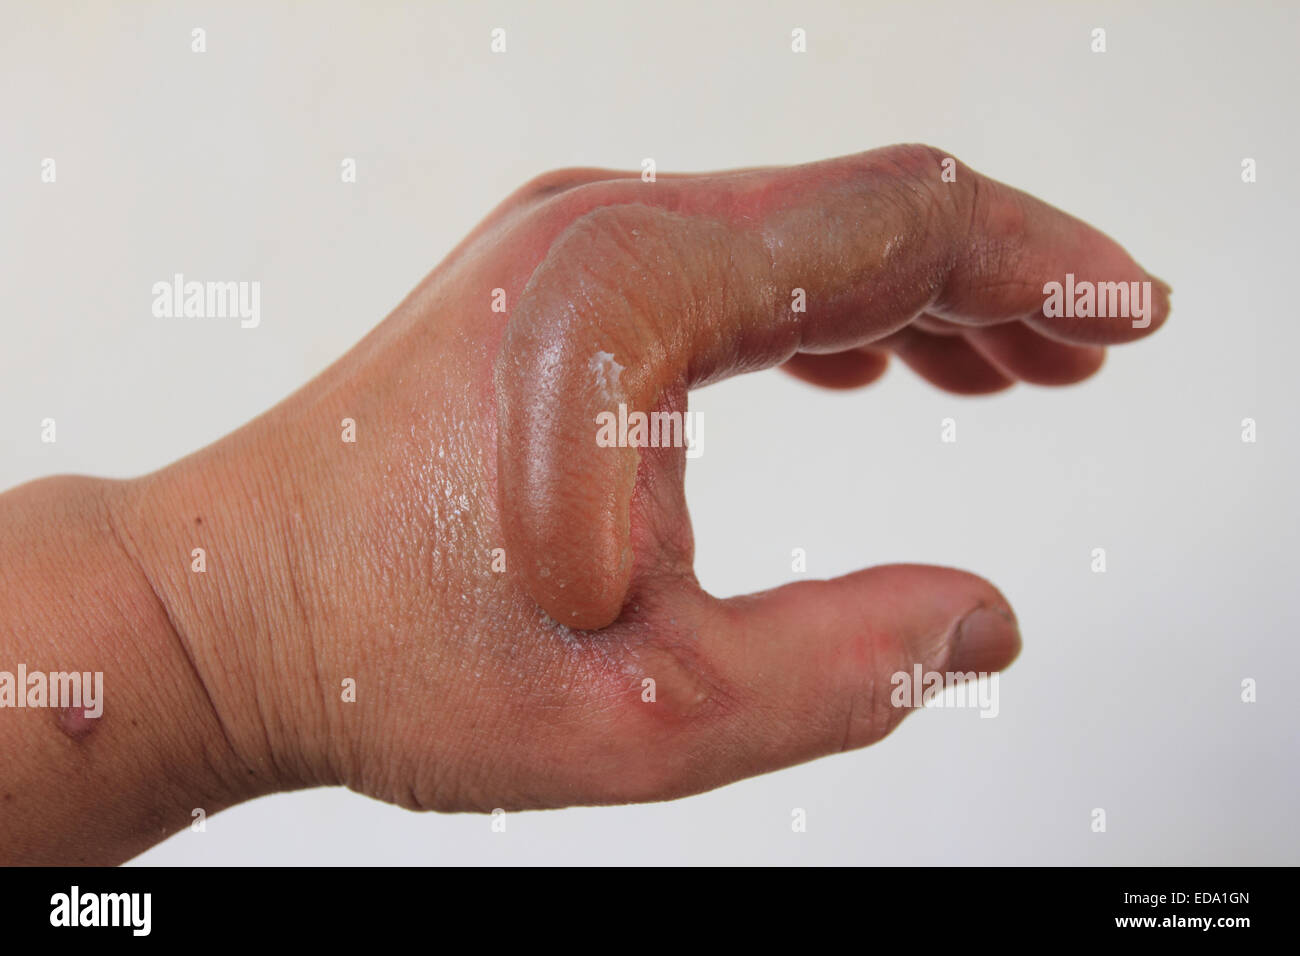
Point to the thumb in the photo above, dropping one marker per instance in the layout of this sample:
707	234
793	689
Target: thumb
808	668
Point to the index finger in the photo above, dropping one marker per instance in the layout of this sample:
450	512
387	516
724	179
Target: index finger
733	274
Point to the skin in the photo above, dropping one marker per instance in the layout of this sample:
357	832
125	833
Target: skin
373	561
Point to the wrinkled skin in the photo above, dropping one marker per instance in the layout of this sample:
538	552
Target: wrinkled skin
373	560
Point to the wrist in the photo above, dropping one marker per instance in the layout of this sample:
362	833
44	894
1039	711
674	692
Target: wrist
217	543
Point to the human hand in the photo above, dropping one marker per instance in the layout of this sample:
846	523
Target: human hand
377	560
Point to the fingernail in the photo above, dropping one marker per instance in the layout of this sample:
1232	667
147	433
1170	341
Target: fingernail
987	639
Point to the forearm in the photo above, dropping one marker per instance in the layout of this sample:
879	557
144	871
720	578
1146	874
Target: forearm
77	787
204	593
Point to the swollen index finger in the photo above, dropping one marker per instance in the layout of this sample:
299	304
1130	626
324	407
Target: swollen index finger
734	274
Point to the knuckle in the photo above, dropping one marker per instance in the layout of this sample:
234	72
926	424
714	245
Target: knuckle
609	260
868	710
921	168
867	715
603	229
553	181
939	209
569	194
920	159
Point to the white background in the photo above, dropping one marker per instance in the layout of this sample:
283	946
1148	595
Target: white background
1127	695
